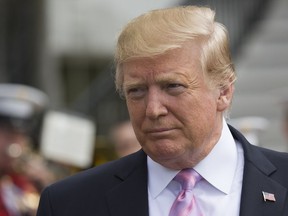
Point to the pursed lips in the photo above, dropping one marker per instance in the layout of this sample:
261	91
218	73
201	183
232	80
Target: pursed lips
159	131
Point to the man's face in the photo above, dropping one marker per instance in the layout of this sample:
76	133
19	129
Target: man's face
174	113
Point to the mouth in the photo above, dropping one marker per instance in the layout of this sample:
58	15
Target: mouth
159	131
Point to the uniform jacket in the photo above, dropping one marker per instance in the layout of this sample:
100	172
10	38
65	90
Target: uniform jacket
119	188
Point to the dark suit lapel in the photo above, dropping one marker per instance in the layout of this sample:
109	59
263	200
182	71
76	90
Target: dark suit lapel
252	200
133	177
257	178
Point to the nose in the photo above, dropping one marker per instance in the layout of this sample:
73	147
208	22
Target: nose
155	106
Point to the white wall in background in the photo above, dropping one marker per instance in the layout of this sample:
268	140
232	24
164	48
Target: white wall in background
91	25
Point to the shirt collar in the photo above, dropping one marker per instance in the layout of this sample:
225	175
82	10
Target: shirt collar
158	177
219	164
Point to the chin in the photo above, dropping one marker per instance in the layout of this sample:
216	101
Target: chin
164	154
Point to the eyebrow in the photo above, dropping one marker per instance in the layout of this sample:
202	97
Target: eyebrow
170	77
160	79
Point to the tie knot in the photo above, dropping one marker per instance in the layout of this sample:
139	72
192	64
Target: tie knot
187	178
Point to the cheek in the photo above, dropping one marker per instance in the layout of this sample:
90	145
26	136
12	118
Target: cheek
135	111
137	115
196	117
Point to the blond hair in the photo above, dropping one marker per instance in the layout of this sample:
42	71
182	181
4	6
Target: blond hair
158	31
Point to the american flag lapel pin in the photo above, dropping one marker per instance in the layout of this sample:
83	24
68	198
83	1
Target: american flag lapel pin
268	197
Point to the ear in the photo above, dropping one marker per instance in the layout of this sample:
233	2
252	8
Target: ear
225	98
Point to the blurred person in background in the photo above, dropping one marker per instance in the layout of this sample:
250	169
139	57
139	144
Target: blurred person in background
173	67
23	172
124	139
18	194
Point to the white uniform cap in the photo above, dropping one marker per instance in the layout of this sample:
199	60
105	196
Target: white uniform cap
21	101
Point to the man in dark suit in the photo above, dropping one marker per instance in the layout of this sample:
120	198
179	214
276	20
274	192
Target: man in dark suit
175	72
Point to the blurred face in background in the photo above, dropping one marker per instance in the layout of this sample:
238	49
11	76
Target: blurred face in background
11	146
124	139
176	116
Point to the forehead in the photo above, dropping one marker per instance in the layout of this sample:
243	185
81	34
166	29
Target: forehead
178	62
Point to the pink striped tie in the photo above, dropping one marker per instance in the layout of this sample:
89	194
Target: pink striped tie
185	204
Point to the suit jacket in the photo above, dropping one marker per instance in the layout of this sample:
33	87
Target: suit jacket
119	188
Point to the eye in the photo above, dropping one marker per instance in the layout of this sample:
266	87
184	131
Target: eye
175	88
174	85
135	92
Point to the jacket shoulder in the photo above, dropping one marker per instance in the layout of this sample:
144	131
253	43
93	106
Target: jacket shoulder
86	191
105	174
279	159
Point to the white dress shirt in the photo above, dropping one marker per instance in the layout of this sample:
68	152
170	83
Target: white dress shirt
217	194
